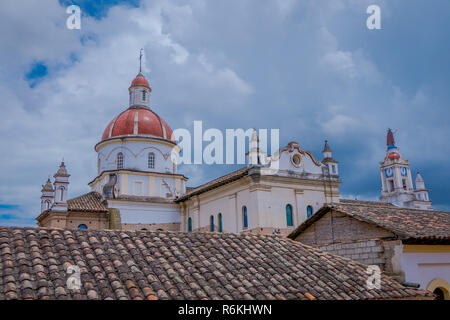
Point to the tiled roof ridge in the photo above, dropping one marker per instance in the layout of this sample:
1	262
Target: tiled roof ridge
365	203
87	202
98	195
365	219
407	224
135	232
388	205
214	183
399	229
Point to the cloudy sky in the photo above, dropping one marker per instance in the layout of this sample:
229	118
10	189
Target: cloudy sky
310	68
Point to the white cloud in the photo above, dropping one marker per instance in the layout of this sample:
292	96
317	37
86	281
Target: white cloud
340	124
340	62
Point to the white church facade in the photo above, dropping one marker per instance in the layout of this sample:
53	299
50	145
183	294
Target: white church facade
138	187
259	200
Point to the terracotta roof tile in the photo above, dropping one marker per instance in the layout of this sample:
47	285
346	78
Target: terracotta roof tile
407	224
230	177
89	202
165	265
365	202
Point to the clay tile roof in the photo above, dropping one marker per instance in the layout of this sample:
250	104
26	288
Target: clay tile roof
138	121
165	265
410	225
365	202
230	177
89	202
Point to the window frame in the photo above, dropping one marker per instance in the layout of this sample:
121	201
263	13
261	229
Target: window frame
119	161
244	217
309	214
189	224
61	193
289	216
151	160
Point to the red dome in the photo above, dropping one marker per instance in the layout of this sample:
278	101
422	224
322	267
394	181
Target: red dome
393	155
138	121
140	80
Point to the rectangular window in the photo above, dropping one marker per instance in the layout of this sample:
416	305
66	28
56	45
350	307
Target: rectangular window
151	160
119	160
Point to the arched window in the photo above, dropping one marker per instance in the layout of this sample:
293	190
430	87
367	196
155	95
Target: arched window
82	226
98	165
220	222
309	211
143	95
151	160
244	217
211	222
119	160
189	224
47	204
61	194
289	220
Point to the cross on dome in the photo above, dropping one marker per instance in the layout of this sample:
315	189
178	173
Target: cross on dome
140	60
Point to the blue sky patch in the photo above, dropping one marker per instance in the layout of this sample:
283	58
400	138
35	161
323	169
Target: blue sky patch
98	9
37	71
9	214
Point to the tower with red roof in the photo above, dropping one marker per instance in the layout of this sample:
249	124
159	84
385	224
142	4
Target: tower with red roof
396	180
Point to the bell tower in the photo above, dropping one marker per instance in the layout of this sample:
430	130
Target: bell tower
396	181
61	185
48	196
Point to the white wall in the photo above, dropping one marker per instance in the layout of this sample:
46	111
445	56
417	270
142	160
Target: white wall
146	213
135	154
422	268
266	200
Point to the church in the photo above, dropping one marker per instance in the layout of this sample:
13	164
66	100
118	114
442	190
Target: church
138	187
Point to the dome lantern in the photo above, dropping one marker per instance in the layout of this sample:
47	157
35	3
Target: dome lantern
140	89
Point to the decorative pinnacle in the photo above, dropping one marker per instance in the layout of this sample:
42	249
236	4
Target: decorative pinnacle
140	60
326	147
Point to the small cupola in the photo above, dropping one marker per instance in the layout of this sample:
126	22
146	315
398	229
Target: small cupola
47	196
140	89
61	186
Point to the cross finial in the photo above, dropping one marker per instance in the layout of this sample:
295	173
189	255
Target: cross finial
140	60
